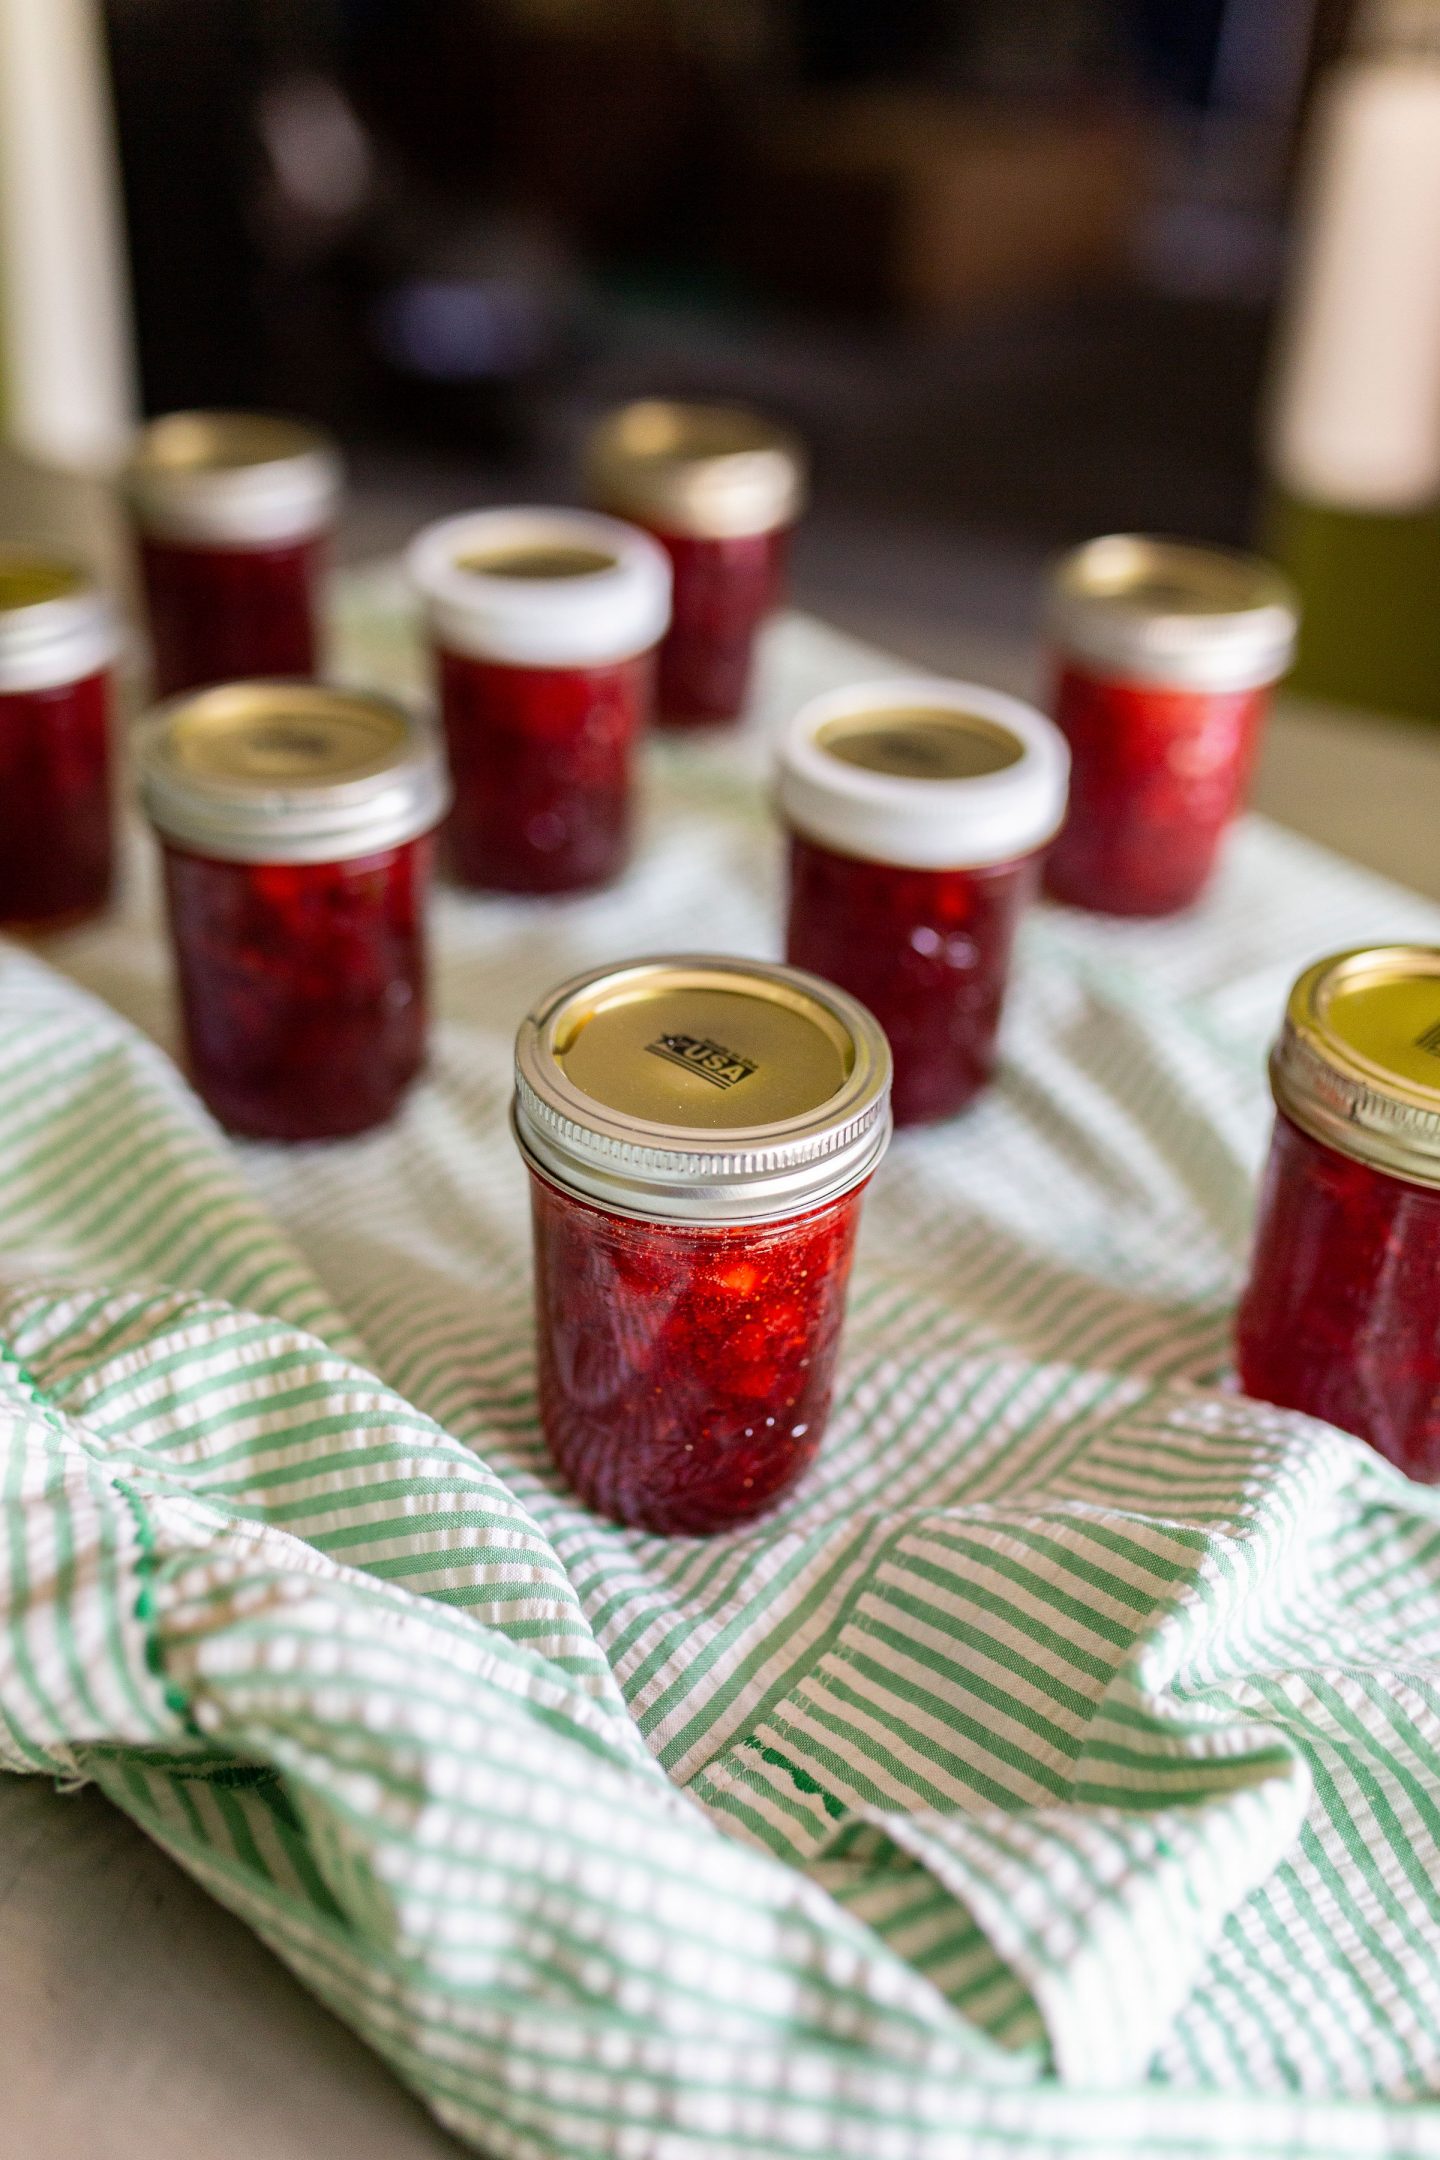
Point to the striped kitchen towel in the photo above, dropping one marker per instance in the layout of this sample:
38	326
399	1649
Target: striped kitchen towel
1057	1772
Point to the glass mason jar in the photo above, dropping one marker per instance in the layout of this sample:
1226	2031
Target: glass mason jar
1341	1316
720	488
543	625
917	813
1164	660
295	823
698	1134
233	514
58	642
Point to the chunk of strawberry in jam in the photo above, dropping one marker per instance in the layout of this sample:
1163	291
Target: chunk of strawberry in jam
686	1369
1341	1317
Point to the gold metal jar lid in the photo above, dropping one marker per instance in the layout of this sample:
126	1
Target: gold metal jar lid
232	478
1357	1064
712	472
289	772
1177	616
56	625
699	1089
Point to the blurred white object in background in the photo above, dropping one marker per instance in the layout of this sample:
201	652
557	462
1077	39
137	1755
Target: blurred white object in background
67	377
1356	416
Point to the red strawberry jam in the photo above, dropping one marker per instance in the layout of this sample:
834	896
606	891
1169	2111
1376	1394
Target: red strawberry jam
1341	1317
1342	1314
699	1133
217	614
724	591
56	640
686	1370
295	823
542	760
302	987
720	488
927	950
1167	658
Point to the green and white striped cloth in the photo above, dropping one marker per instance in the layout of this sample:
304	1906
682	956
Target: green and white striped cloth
1058	1772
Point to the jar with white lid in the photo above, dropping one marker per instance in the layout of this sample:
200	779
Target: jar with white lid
543	626
918	812
1341	1315
295	824
699	1132
1165	657
233	513
58	644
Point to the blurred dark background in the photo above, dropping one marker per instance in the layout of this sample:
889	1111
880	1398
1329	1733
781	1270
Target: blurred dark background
1009	265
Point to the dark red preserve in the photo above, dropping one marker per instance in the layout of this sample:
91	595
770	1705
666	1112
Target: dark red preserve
720	488
1166	655
233	513
295	823
57	645
1341	1315
699	1133
917	813
543	625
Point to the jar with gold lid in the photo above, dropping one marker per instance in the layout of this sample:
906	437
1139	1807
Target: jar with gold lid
543	625
721	489
233	512
58	642
917	813
1165	655
295	824
1341	1316
699	1133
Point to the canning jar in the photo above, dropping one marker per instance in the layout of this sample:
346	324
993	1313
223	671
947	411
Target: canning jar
698	1134
1164	660
543	625
58	642
233	514
917	812
1341	1316
294	822
720	488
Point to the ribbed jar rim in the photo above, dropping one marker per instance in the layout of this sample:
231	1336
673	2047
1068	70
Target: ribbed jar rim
56	625
611	602
1172	614
1357	1062
662	1111
289	772
232	479
702	471
1008	805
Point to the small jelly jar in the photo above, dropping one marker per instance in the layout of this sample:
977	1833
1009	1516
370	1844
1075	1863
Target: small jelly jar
698	1133
720	488
233	514
1164	660
58	642
543	625
294	821
917	814
1341	1316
